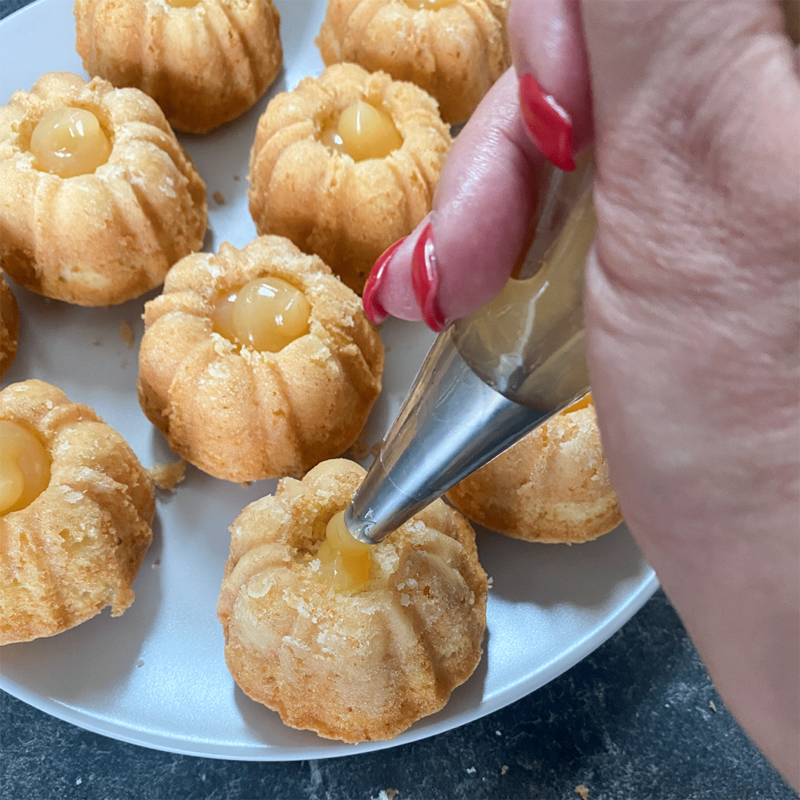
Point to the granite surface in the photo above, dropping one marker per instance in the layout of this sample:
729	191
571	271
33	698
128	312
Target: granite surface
637	719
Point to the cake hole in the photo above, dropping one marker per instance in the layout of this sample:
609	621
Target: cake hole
344	561
24	467
266	314
362	131
429	5
69	141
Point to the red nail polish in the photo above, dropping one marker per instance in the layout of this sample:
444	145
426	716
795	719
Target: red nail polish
425	281
375	312
547	123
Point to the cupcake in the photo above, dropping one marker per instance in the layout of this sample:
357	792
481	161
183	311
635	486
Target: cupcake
454	49
75	513
97	197
346	164
204	62
353	641
257	363
552	486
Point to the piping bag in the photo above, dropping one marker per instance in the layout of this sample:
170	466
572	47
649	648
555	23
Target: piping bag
497	374
494	376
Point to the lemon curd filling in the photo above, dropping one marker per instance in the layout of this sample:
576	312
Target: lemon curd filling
344	561
267	314
584	402
430	5
362	131
24	467
69	141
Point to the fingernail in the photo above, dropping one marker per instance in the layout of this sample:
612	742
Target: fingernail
425	281
375	312
548	124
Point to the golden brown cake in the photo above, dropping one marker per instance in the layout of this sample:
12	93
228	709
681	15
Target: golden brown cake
346	199
454	49
353	641
75	514
9	325
205	62
97	197
552	486
242	401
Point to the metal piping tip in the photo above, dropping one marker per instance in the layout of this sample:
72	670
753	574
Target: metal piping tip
451	424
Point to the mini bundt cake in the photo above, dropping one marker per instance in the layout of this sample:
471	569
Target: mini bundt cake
204	62
345	165
258	363
9	325
454	49
552	486
97	197
75	514
353	641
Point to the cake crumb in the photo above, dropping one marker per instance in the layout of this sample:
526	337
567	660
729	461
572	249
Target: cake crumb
219	198
359	450
96	343
126	333
236	177
712	705
386	794
156	564
583	791
504	769
168	476
471	770
489	581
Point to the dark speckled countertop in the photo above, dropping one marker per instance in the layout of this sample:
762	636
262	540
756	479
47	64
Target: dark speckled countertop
637	719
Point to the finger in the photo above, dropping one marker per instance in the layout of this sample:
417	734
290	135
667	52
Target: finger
547	42
481	212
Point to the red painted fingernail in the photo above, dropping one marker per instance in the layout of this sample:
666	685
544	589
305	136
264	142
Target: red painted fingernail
372	306
425	281
548	124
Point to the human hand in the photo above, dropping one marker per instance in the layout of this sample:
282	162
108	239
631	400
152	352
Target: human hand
691	304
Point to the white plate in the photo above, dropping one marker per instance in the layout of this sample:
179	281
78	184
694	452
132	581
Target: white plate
157	676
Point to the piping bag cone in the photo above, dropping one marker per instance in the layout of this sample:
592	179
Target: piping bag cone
494	376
